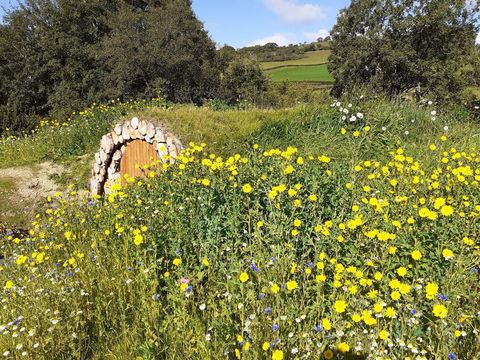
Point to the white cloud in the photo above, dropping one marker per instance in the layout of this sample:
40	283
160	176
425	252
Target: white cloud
279	39
292	12
315	35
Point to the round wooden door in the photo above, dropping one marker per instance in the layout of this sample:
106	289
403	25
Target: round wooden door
137	153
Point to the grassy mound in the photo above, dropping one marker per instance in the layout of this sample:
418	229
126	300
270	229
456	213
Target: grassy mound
359	239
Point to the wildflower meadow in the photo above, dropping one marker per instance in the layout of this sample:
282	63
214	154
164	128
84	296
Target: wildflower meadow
266	253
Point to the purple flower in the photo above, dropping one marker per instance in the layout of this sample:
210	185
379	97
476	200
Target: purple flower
413	311
90	203
188	289
475	270
452	356
318	328
310	264
273	259
129	268
261	296
442	297
267	310
254	267
275	327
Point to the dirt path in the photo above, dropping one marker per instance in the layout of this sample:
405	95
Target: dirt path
34	181
23	190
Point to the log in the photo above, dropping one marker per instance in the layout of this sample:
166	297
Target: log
118	129
134	123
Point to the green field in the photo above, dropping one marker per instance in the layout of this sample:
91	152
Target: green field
311	58
316	73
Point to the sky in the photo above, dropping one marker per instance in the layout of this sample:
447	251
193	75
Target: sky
255	22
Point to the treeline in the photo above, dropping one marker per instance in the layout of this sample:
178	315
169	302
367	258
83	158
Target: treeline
57	56
426	47
274	52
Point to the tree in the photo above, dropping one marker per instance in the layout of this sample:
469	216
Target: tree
397	45
57	56
162	51
242	80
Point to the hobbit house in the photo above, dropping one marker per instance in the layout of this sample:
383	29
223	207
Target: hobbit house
127	148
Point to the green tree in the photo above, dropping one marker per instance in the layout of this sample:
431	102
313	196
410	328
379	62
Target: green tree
57	56
243	80
397	45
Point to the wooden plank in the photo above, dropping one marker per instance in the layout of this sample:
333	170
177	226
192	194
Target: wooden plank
137	152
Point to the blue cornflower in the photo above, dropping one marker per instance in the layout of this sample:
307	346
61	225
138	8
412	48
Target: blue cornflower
275	327
254	267
318	328
267	310
442	297
452	356
413	311
261	296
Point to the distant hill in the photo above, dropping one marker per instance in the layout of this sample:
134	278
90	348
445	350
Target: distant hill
312	67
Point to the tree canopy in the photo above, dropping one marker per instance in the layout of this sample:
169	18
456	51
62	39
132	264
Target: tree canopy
397	45
60	55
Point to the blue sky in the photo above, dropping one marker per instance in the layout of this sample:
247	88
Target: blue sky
251	22
247	22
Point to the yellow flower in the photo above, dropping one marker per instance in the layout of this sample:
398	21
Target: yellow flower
21	259
390	312
138	239
404	289
312	198
340	306
292	285
447	254
326	324
384	335
440	311
288	170
275	288
177	261
243	277
343	131
416	255
320	278
8	285
266	346
247	188
343	347
297	222
446	210
431	290
205	262
356	318
68	235
401	271
395	295
277	355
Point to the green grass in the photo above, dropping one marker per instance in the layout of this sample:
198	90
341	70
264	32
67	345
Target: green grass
108	279
311	58
314	73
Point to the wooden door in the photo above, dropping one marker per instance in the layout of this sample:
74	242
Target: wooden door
137	153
